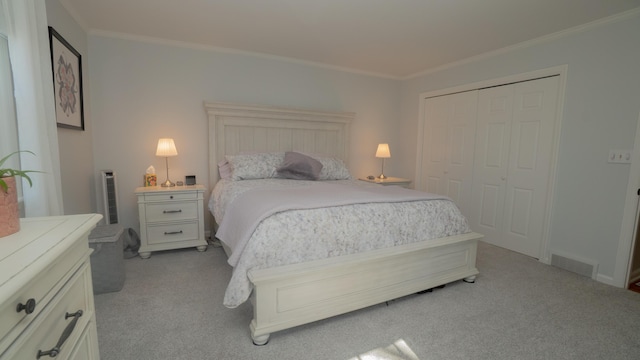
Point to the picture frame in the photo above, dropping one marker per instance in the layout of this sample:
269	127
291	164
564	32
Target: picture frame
66	65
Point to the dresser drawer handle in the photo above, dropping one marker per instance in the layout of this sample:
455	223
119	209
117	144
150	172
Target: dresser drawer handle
65	335
28	308
171	211
173	232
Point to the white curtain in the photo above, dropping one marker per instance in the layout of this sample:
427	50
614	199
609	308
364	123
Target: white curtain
33	87
9	133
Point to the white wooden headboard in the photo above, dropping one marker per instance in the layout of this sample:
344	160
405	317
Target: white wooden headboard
236	128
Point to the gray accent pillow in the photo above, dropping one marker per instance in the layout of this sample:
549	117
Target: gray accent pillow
299	167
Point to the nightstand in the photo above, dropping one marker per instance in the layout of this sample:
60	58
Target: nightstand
389	181
170	218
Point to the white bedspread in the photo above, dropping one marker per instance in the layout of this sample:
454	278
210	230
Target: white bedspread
341	222
249	209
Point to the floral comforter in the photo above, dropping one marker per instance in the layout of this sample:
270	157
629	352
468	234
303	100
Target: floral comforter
300	235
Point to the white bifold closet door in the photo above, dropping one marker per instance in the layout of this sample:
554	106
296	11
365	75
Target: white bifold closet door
512	164
446	155
491	151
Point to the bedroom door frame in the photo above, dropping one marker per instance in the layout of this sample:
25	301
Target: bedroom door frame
561	72
622	270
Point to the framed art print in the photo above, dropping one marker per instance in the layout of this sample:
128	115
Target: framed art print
66	63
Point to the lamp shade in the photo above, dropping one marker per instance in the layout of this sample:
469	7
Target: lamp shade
166	147
383	151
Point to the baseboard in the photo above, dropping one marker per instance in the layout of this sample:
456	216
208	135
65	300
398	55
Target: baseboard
608	280
581	266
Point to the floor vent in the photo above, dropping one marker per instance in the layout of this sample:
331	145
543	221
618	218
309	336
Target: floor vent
110	196
582	267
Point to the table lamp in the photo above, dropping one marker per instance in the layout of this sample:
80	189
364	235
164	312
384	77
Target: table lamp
383	152
166	148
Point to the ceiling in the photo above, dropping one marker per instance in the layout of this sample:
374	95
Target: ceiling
390	38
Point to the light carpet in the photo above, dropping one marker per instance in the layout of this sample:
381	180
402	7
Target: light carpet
171	308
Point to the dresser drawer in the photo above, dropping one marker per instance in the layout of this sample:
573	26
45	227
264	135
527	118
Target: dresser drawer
173	196
171	211
42	288
87	345
47	329
162	234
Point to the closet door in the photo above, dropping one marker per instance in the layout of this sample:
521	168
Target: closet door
446	147
491	162
514	142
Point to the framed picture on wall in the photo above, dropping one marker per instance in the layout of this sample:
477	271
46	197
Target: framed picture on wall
66	63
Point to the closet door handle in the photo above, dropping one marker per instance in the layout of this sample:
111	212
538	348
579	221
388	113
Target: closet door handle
65	335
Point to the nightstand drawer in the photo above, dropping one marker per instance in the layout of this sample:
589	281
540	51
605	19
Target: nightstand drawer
161	234
171	211
173	196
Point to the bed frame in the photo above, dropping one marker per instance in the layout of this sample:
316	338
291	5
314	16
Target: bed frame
292	295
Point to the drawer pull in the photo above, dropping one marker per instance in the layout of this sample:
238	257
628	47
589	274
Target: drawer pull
65	335
28	308
173	232
171	211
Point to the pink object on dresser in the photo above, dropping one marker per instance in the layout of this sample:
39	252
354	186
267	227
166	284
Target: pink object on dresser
9	212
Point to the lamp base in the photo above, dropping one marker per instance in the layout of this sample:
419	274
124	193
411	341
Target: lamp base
168	183
382	176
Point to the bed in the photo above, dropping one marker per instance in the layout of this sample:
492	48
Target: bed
295	285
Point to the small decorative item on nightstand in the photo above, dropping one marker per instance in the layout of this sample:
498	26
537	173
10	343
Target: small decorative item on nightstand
150	180
190	179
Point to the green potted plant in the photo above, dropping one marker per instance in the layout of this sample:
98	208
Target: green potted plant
9	210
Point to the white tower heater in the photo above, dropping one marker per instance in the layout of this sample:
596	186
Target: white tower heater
110	196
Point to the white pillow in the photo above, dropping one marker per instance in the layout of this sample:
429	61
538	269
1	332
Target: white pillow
255	166
332	168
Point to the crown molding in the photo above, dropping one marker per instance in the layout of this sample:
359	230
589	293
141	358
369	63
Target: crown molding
525	44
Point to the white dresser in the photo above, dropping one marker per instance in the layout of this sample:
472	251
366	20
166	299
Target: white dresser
46	294
171	218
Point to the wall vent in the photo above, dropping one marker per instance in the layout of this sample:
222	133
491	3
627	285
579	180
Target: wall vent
110	196
582	267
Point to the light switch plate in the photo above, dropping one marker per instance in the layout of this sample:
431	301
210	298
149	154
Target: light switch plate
620	156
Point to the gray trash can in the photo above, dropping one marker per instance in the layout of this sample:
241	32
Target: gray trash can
107	259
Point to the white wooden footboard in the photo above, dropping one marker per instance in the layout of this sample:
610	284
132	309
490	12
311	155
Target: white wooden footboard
293	295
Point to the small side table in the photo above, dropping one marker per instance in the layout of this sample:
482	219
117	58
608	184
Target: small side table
170	218
388	181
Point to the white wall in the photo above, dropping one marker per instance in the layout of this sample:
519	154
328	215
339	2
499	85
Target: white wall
143	90
76	148
601	111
